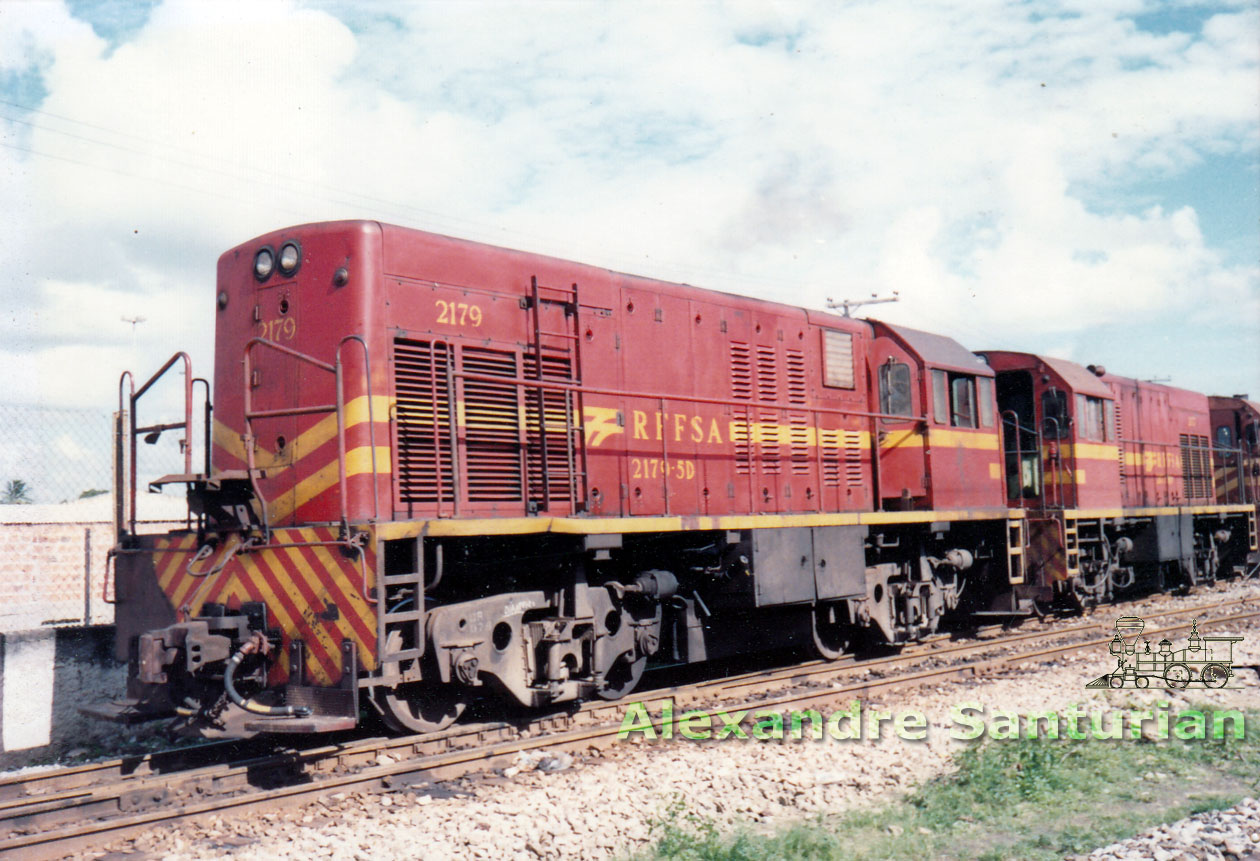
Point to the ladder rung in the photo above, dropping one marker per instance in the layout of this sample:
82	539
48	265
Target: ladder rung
402	579
405	616
567	291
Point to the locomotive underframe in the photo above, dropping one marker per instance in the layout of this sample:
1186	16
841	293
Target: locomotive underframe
548	618
1107	556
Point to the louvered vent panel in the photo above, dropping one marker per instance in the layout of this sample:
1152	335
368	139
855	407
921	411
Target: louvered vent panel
767	375
798	443
549	437
492	433
741	440
421	383
769	438
795	376
831	450
853	458
1120	446
741	371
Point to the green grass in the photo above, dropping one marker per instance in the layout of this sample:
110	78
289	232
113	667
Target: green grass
1031	798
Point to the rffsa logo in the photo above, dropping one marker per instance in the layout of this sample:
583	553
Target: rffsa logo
1206	662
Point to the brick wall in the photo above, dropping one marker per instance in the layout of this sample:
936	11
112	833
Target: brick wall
53	573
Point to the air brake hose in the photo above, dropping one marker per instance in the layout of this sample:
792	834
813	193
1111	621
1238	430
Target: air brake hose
230	687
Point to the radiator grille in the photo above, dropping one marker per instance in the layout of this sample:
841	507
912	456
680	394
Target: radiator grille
1120	447
1196	470
549	431
422	386
492	427
511	434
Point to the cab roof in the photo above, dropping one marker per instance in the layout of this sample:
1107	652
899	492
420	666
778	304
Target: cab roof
937	351
1078	378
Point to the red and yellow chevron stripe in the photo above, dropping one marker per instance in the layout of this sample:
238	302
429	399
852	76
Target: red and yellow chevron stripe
305	472
313	593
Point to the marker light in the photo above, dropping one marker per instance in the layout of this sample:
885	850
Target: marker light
264	263
290	257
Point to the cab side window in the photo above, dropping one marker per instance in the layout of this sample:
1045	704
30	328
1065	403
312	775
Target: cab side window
1054	414
954	399
984	394
1089	418
1224	437
940	398
963	391
894	389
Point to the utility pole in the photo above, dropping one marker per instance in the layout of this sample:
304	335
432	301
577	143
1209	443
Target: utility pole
134	321
847	305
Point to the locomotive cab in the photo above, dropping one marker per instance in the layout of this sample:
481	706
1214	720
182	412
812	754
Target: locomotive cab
1116	476
1058	432
945	452
1236	448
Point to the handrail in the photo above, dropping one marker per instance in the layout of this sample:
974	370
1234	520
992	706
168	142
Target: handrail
742	406
1019	452
135	430
339	408
367	370
560	386
1056	459
1221	459
1157	471
209	411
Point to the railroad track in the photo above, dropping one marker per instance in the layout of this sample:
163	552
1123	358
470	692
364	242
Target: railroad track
51	814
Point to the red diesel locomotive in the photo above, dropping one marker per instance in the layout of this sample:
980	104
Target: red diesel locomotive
439	471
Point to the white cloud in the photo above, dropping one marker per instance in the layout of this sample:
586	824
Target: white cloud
796	151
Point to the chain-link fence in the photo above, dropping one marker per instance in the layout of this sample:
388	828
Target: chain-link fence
57	455
51	455
56	510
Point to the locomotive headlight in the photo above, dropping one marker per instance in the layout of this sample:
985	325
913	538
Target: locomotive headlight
264	263
290	257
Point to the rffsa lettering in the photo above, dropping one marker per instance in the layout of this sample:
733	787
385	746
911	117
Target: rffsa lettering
677	427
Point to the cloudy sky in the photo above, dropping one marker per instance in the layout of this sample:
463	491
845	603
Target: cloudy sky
1080	178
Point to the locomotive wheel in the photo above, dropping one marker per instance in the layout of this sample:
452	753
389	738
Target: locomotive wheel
1215	675
622	678
831	638
1117	681
1177	676
418	706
